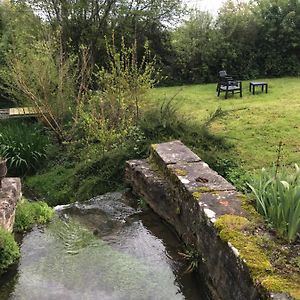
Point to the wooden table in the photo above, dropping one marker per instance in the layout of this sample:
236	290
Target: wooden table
253	84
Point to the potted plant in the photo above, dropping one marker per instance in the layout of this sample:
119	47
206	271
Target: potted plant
3	169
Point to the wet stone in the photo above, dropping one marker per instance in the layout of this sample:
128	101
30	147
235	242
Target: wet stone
174	152
199	177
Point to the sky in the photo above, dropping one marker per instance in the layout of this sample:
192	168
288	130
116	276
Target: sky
211	5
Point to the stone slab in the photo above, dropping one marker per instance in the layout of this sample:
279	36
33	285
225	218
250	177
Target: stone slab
10	193
199	177
221	203
174	152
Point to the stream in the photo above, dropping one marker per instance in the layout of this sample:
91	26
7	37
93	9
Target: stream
102	249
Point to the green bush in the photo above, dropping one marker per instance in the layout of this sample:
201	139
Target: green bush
277	197
30	213
9	250
23	145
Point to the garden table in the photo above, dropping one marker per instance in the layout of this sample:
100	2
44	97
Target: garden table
253	84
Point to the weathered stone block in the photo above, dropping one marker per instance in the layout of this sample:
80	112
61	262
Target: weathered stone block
183	190
10	193
199	177
174	152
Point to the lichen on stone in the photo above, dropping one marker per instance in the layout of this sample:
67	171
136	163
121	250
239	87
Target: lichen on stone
204	189
181	172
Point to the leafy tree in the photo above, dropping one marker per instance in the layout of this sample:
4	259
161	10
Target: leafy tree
278	40
87	22
191	42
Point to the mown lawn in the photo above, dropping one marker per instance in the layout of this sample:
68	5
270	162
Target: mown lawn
254	124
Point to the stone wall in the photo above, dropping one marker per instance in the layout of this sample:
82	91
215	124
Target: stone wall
10	193
184	191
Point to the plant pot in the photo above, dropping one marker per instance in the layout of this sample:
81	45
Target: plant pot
3	170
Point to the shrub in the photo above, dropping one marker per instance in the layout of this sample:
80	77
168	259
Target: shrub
109	113
30	213
9	250
23	145
278	200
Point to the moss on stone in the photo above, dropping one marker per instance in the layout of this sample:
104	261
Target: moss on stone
178	211
231	222
197	195
153	147
204	189
247	206
232	229
181	172
278	283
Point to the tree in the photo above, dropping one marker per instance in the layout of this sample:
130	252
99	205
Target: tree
86	22
191	41
278	40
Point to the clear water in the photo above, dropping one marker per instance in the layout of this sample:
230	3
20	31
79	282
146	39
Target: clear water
103	249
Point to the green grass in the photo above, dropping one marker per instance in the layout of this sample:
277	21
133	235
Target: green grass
254	124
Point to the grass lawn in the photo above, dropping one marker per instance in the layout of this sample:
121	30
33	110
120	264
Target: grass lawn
254	124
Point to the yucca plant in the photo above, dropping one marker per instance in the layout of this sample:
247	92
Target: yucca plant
278	200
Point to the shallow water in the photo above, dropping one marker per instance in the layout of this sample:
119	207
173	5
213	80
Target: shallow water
103	249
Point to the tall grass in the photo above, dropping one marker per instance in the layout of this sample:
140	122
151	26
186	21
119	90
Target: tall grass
277	197
23	145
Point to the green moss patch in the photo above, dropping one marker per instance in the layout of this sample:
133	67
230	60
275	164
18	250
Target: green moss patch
281	284
230	230
197	195
238	231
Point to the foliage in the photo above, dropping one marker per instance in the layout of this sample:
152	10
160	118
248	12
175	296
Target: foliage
24	146
40	76
30	213
84	171
192	257
87	22
110	112
229	168
54	185
9	250
278	200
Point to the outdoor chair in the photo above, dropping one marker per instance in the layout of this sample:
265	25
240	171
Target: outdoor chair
228	83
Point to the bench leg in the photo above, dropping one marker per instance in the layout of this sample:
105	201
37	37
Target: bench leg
253	89
250	87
